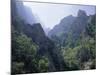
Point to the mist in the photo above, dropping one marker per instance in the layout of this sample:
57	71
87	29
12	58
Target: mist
51	14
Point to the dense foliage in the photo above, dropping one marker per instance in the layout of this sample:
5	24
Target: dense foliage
24	52
70	45
80	53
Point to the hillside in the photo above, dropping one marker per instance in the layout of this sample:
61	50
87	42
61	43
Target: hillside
70	45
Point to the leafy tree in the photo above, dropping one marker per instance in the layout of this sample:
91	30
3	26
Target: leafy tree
24	51
70	58
17	67
43	64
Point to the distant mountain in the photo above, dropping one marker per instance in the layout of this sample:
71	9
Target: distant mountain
81	13
80	23
62	27
24	12
72	24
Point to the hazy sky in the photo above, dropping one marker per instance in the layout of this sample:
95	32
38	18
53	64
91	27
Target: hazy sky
51	14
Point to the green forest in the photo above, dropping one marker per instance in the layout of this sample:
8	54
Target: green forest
71	48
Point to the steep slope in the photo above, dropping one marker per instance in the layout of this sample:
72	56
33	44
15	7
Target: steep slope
69	24
80	23
46	46
35	32
76	39
25	13
62	27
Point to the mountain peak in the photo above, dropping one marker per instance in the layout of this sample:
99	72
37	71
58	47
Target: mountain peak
81	13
